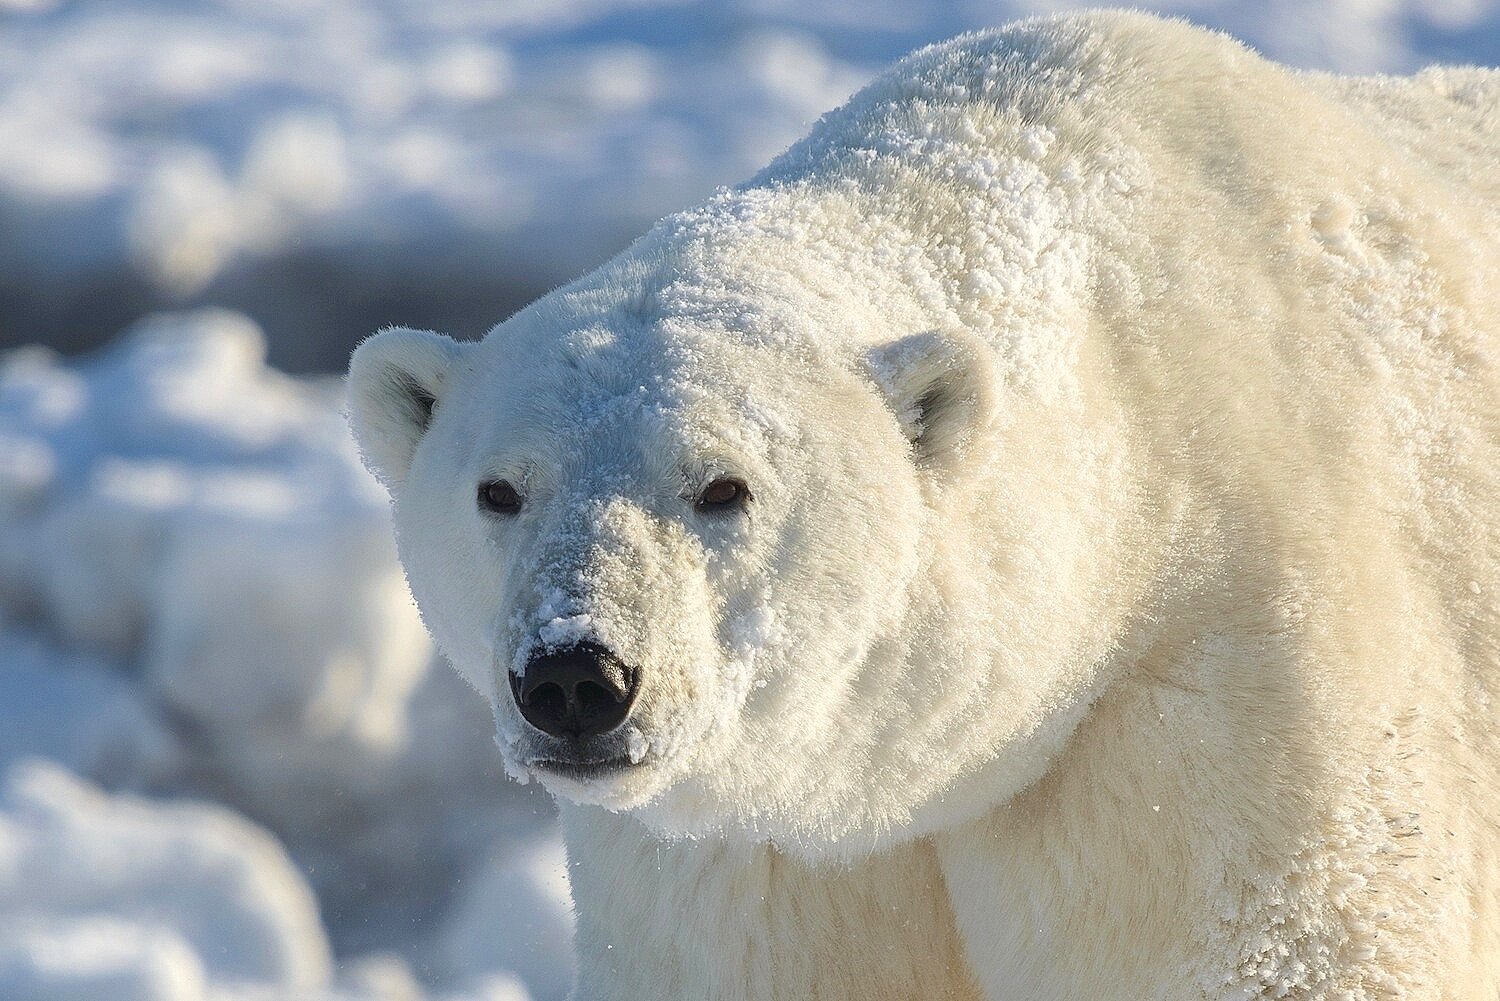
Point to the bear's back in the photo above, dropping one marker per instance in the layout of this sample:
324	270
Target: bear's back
1446	117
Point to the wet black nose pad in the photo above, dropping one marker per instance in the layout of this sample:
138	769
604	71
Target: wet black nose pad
576	692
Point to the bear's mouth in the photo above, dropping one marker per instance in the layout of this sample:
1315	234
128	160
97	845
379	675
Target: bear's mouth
582	771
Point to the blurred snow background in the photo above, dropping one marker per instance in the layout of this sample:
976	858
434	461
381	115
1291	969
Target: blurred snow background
229	766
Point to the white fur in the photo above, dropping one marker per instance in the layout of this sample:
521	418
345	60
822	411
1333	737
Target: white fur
1115	616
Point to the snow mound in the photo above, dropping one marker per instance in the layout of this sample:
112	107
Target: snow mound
98	957
76	709
129	899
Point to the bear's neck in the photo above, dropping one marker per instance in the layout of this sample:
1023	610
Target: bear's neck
712	920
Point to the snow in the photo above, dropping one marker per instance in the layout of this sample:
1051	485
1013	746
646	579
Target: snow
561	631
439	163
522	885
98	957
173	894
199	597
74	708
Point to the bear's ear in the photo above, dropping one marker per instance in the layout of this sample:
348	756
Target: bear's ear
395	381
941	385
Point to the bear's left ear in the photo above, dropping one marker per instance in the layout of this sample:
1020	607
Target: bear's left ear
941	385
396	379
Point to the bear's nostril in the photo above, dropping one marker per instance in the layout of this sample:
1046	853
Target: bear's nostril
581	691
549	699
594	701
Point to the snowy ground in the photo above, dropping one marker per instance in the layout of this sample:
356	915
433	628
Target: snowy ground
229	765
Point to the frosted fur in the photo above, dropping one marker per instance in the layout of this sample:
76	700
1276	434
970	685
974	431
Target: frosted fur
1116	613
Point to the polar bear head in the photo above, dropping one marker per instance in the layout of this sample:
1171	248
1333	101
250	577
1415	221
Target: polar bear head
741	555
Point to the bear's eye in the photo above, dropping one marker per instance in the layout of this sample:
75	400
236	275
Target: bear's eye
499	497
723	494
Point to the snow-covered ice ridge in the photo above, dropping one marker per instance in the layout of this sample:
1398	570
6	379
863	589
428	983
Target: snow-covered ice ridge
199	601
480	152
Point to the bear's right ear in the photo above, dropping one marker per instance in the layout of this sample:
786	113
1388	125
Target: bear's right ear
396	379
942	386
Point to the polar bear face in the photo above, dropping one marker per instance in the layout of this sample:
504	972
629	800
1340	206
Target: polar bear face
694	571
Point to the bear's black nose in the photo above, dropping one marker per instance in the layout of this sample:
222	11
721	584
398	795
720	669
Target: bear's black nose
576	692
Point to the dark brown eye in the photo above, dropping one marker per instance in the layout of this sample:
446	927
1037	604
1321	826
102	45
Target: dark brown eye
499	497
722	494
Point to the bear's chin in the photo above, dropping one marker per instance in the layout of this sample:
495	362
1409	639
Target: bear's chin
616	784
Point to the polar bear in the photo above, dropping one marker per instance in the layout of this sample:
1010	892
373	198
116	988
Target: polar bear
1038	539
